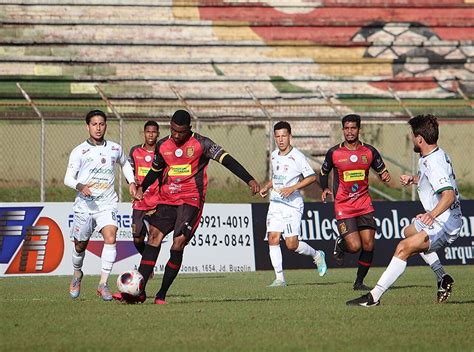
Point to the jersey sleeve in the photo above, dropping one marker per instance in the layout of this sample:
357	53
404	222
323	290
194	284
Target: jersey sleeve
131	159
212	150
328	163
439	177
377	163
73	167
304	167
158	163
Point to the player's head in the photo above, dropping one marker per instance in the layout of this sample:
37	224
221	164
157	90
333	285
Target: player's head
425	129
151	131
351	127
282	134
180	127
96	122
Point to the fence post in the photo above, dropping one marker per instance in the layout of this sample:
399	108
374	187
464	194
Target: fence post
119	117
42	147
270	128
188	107
413	158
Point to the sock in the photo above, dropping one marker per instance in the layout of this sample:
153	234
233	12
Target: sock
77	261
305	249
171	271
365	261
139	245
109	253
277	261
147	264
394	270
432	260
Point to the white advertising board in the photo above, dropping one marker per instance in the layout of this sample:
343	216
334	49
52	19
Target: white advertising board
34	240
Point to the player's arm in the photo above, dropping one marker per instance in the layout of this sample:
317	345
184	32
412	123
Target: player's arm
448	197
379	166
72	170
324	174
156	172
131	158
287	191
264	190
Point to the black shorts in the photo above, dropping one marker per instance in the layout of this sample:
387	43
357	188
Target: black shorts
183	219
358	223
138	226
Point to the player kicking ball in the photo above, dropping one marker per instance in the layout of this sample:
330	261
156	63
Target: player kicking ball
439	226
290	173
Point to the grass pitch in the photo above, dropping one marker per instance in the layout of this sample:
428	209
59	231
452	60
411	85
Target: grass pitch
237	312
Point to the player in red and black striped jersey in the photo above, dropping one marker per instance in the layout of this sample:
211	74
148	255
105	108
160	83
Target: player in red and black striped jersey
351	161
141	157
181	162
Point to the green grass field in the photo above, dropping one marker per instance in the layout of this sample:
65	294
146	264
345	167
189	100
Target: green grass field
237	312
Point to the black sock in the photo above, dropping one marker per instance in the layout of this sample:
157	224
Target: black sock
365	261
171	271
139	245
147	264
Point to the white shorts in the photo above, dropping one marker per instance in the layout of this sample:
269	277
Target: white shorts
438	235
284	219
84	224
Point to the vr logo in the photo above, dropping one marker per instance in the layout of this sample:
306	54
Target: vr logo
34	245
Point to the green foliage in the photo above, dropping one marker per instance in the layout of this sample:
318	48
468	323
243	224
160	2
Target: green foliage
237	312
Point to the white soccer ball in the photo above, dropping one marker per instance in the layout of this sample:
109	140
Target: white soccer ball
130	282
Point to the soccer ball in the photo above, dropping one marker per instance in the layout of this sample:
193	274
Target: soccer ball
130	282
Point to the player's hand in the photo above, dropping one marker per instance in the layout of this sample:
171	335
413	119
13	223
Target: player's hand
85	190
139	193
254	187
385	177
426	219
406	180
132	189
286	192
264	192
325	194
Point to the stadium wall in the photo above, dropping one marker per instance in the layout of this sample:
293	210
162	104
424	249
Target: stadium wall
34	239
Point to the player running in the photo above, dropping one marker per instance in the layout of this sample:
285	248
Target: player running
181	162
290	173
91	171
441	223
352	160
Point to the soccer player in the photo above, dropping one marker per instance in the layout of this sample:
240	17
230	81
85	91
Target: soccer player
91	172
441	223
140	158
181	161
290	173
352	160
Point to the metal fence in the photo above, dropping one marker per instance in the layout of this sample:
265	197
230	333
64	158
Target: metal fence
36	145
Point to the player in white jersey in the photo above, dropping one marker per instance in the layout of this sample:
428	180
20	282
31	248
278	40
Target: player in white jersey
91	172
441	223
290	173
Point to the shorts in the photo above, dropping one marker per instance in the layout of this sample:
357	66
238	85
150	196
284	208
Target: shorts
182	219
138	226
357	223
438	235
84	224
283	219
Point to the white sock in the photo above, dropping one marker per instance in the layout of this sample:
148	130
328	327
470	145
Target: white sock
432	260
306	249
394	270
277	261
77	261
109	253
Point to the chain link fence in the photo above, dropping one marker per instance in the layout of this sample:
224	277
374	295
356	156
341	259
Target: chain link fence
35	150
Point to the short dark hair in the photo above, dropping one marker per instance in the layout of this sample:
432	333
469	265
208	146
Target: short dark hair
425	126
351	118
93	113
181	118
282	125
151	123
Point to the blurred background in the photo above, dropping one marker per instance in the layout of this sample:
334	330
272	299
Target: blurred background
238	67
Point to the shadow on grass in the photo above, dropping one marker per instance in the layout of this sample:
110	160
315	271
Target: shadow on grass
320	283
234	299
410	286
460	302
